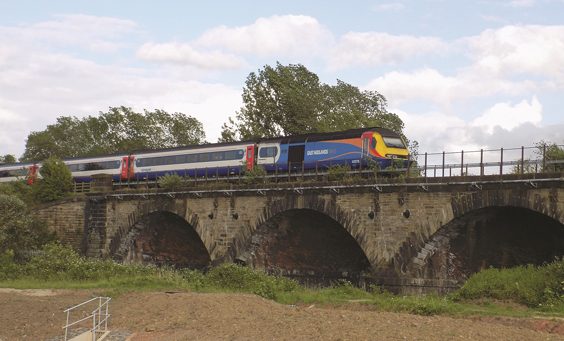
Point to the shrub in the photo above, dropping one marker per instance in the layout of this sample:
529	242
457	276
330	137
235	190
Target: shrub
238	278
19	231
530	285
254	175
170	182
338	172
56	182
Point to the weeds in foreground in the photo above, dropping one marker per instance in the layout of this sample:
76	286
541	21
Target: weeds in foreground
536	290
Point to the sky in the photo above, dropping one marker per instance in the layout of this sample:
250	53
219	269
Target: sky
462	75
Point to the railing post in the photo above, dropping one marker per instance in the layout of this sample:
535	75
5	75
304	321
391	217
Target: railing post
462	163
522	160
443	164
501	162
543	158
481	162
425	165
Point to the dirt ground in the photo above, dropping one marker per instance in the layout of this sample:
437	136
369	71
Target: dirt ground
38	315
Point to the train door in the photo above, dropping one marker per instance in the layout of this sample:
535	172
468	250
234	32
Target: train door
296	156
127	171
366	138
125	168
250	157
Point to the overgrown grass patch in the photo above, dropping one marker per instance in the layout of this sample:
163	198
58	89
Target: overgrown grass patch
535	290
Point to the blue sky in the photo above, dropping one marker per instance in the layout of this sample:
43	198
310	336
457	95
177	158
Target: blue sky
461	74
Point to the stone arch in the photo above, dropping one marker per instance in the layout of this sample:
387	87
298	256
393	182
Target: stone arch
123	241
501	235
542	201
318	218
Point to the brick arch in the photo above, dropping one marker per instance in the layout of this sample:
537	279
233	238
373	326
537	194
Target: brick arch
137	219
313	202
546	204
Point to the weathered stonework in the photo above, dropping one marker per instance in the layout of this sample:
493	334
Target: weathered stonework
391	225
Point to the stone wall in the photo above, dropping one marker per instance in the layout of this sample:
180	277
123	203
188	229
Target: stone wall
66	219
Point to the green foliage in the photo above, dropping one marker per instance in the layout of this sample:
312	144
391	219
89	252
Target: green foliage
338	172
19	189
534	286
287	100
238	278
170	182
553	156
56	182
8	158
118	130
254	175
19	231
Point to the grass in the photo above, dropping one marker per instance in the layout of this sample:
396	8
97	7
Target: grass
521	291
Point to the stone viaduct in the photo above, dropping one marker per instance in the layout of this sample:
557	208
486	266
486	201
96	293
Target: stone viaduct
409	235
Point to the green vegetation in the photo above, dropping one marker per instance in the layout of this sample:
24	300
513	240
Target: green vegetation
530	285
486	293
171	182
56	182
290	99
257	174
118	130
338	172
19	231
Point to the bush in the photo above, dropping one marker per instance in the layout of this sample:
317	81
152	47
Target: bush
19	231
338	172
56	182
238	278
170	182
254	175
531	285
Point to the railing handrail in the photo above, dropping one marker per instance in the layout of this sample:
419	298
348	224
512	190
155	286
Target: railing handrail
103	317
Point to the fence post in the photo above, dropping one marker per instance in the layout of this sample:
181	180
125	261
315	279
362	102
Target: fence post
543	158
501	162
462	163
481	162
443	164
425	165
522	160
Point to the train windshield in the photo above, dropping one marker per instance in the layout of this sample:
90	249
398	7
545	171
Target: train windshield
393	142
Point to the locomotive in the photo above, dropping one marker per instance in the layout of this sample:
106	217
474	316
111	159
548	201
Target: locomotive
356	148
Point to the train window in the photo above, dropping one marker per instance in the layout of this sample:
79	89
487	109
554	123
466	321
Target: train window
13	172
189	158
373	143
268	152
393	142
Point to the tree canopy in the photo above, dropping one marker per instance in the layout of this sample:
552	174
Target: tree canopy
8	158
287	100
118	130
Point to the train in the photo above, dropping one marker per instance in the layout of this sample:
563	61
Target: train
357	148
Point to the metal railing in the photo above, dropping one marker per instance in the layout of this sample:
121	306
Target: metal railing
99	317
518	161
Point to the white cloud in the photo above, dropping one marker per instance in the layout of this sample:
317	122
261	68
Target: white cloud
374	48
286	35
430	85
531	49
509	116
390	6
522	3
185	54
98	34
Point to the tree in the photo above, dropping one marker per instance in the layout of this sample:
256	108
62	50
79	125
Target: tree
118	130
19	231
553	156
287	100
56	182
8	158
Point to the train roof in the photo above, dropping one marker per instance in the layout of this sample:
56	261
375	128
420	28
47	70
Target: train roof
343	134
